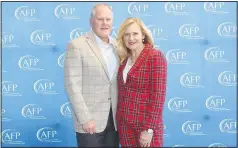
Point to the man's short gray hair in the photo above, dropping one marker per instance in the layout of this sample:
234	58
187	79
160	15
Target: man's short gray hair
98	5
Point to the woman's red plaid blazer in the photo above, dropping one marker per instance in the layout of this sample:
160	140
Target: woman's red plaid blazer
141	98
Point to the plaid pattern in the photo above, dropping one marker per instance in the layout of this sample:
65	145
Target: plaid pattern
87	83
141	98
129	136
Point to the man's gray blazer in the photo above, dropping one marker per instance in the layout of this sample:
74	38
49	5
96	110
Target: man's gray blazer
87	83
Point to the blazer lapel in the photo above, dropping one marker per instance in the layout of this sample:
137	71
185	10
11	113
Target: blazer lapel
120	70
118	60
91	40
140	60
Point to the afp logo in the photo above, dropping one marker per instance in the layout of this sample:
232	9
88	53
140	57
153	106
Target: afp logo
178	104
227	29
41	37
215	7
8	40
216	103
227	78
32	111
66	109
175	8
190	80
47	134
11	136
217	145
190	31
9	89
138	9
157	33
192	128
61	60
4	117
176	56
44	86
26	13
215	54
228	126
157	47
165	131
66	12
77	32
29	63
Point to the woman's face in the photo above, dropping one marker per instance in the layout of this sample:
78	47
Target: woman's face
133	37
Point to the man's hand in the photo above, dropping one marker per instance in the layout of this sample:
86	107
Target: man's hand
89	127
145	139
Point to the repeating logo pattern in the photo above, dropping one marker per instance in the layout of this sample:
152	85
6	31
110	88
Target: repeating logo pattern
197	39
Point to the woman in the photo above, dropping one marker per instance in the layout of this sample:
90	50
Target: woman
141	87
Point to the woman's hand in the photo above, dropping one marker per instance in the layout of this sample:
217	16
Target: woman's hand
145	139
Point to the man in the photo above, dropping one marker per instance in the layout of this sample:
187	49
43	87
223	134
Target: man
91	65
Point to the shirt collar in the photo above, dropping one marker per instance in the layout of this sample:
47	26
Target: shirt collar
99	41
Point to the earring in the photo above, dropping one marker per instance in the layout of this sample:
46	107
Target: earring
143	40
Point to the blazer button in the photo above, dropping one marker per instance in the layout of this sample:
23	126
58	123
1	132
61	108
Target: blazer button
109	98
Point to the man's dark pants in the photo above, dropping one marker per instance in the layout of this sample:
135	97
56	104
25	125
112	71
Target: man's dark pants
108	138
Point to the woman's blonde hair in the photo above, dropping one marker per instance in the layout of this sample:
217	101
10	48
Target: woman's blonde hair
123	51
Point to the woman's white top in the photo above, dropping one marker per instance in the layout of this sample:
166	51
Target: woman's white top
127	69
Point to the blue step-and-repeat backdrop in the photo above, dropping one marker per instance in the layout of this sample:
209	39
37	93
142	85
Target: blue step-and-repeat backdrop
197	38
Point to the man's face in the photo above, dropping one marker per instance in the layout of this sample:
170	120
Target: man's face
102	21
